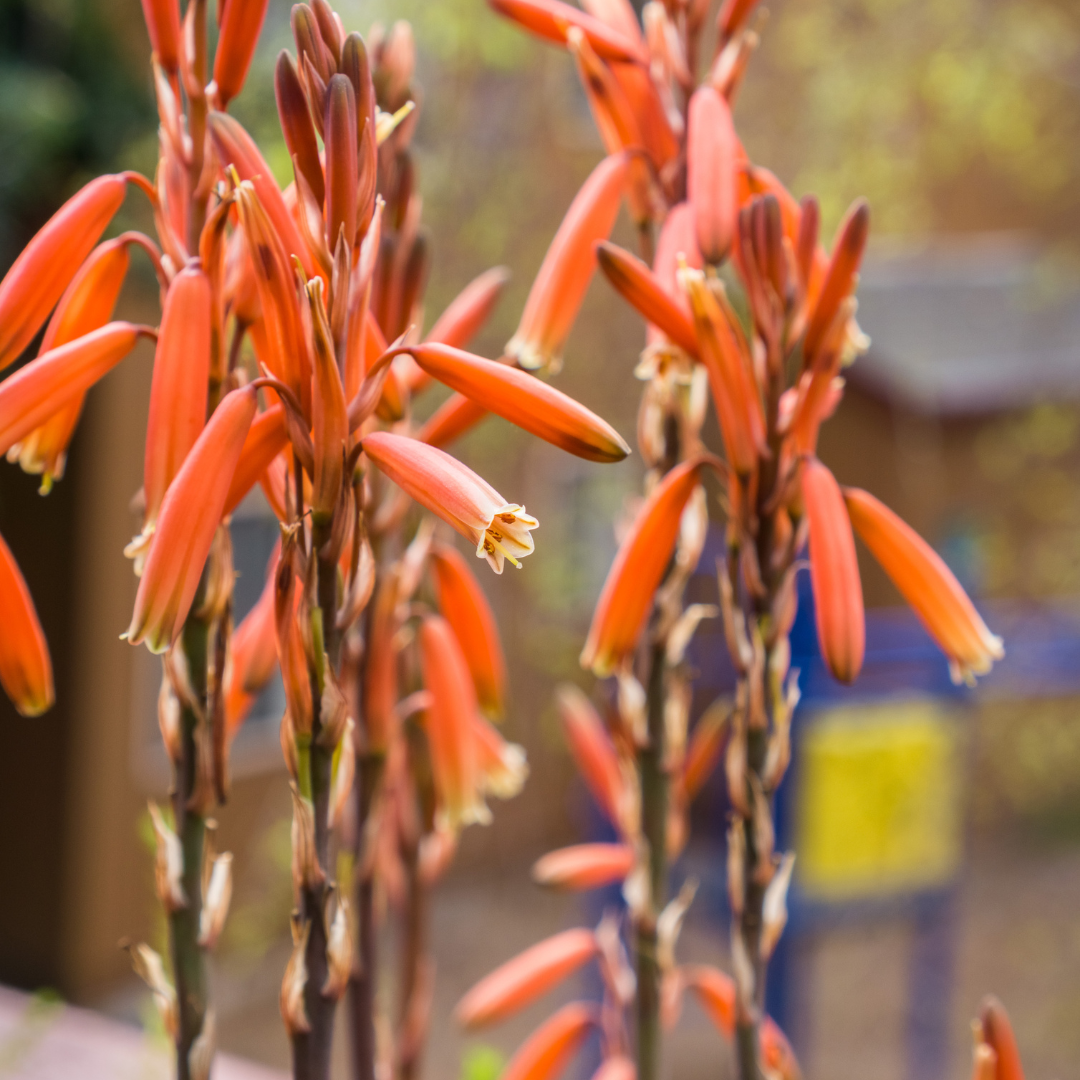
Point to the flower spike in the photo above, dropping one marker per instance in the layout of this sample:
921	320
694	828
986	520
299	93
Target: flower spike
638	570
449	726
46	266
455	493
928	585
712	148
834	572
465	608
241	22
527	977
39	389
25	667
551	19
564	275
86	306
189	517
523	400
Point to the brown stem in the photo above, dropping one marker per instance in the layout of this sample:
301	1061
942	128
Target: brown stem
187	956
654	799
363	980
411	962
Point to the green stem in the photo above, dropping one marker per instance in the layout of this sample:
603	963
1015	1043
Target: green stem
654	799
189	969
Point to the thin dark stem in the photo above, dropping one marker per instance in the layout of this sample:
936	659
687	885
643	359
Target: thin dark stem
411	961
654	798
362	984
187	956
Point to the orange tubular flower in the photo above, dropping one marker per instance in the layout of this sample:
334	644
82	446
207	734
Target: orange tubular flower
341	163
636	283
637	571
449	726
928	585
266	438
189	517
285	353
733	16
677	240
86	306
998	1033
39	389
593	753
734	392
178	391
45	267
241	22
452	419
584	866
465	608
329	415
163	25
547	1051
564	275
501	765
296	124
618	14
381	669
840	278
716	992
528	976
711	173
236	147
523	400
455	493
834	573
25	668
550	19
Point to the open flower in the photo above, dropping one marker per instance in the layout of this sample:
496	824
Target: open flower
464	500
928	585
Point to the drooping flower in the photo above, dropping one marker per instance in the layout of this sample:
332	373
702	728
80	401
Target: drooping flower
465	607
45	267
40	388
450	489
25	667
834	573
928	585
189	517
550	19
526	977
266	438
86	305
525	401
449	725
998	1033
546	1053
564	275
163	25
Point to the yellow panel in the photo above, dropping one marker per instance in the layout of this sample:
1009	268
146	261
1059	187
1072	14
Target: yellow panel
878	801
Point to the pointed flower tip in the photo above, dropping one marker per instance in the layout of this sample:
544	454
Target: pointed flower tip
548	1051
525	401
584	866
928	585
500	530
25	667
